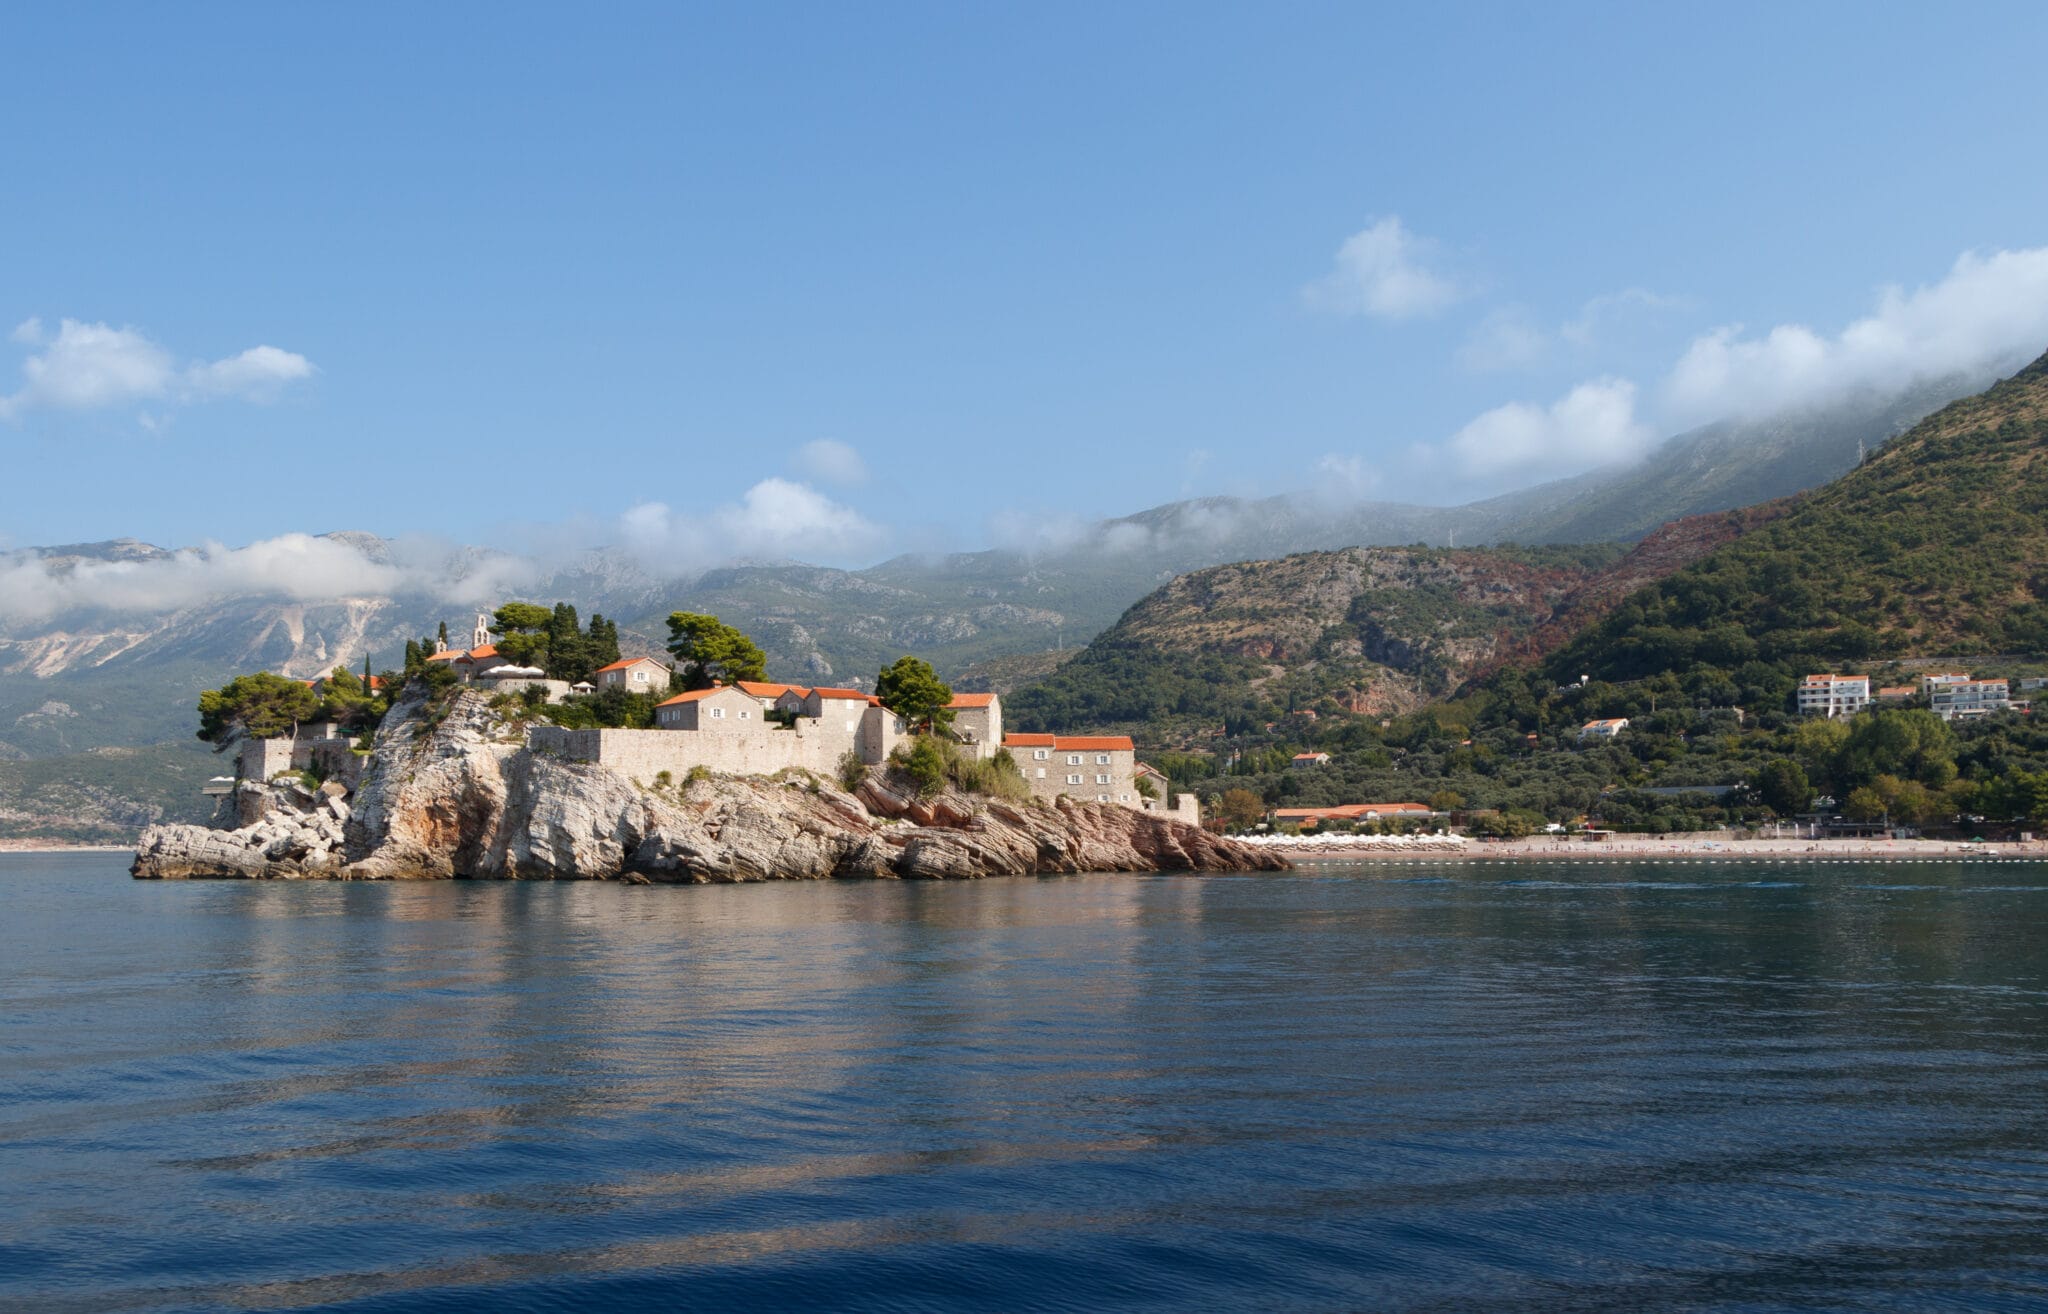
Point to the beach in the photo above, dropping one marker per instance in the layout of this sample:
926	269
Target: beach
1689	847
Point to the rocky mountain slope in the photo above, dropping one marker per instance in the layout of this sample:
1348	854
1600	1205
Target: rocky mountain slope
450	791
1362	630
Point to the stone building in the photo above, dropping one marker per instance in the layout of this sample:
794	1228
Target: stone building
978	723
634	675
1090	768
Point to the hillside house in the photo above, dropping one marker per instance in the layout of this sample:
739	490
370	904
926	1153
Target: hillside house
634	675
1896	693
1309	761
1954	700
1162	788
1606	729
1833	695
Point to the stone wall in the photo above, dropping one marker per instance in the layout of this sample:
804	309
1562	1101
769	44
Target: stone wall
261	759
643	754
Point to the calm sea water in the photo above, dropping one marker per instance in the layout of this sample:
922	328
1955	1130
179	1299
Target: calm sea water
1608	1087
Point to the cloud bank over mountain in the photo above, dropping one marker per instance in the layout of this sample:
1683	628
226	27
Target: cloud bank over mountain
1988	313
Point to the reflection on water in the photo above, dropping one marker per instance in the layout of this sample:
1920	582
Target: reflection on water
1430	1087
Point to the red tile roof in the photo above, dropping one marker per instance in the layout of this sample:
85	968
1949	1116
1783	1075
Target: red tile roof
1076	743
692	696
964	700
844	693
624	662
488	650
448	656
1349	811
762	689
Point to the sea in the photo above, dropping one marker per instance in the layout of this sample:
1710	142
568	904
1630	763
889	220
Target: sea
1604	1086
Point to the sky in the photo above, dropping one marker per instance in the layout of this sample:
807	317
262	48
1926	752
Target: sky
834	283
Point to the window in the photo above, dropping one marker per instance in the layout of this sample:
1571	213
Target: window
1039	755
1102	798
1041	773
718	713
745	713
1102	780
1123	798
1102	759
639	677
1073	759
1073	780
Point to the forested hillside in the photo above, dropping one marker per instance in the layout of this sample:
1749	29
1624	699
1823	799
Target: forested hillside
1938	544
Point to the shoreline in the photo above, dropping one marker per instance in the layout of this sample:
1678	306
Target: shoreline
45	846
1676	849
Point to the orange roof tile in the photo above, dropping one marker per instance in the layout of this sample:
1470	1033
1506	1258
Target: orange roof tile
762	689
692	696
968	700
488	650
448	656
842	693
1076	743
624	662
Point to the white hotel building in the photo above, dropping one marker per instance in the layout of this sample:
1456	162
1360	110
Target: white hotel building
1833	695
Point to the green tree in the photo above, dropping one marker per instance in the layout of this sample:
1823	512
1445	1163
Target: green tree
708	651
522	629
1241	808
1446	800
910	688
258	706
1783	786
1910	742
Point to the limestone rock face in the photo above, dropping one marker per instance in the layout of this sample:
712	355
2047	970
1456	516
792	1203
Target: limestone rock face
450	791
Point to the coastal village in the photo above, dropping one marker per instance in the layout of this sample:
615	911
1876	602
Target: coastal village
748	728
762	728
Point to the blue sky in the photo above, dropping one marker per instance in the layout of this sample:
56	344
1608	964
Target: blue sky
838	282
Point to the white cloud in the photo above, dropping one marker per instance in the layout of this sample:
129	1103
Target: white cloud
1345	478
293	567
830	461
1593	424
255	375
1510	338
1382	271
96	366
1989	312
1507	339
776	518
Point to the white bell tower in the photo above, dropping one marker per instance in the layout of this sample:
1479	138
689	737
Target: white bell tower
482	637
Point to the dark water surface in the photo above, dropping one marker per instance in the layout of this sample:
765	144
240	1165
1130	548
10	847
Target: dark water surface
1605	1087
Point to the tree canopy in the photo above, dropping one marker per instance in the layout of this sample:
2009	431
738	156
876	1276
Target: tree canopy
258	706
708	651
910	688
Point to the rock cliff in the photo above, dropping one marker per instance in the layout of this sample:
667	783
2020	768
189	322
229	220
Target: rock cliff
451	791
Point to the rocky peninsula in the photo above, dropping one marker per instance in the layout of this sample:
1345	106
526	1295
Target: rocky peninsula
450	790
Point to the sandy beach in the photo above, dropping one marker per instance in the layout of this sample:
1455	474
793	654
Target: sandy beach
1634	848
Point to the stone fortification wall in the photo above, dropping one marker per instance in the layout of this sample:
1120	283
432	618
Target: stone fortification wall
644	754
261	759
1186	807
